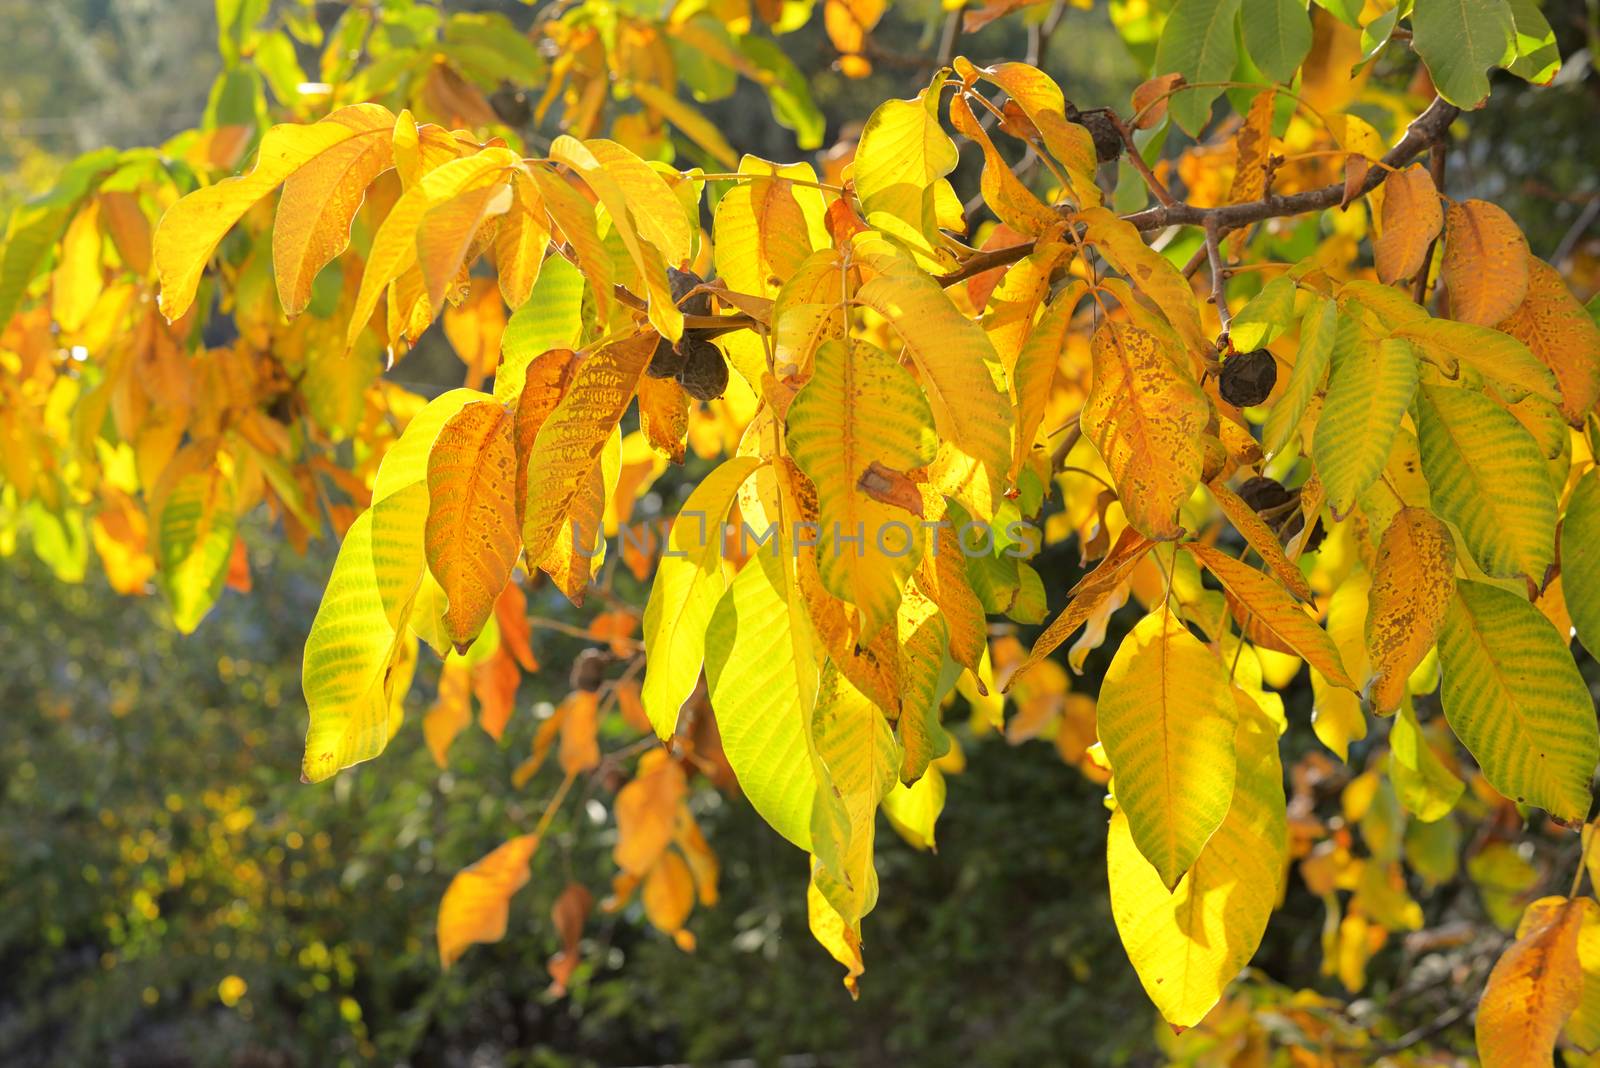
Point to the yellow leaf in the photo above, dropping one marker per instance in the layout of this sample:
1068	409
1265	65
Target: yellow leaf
395	246
575	218
900	166
520	242
76	283
1412	584
1273	609
664	416
448	238
695	126
1411	218
1041	100
861	761
1187	945
1369	390
1486	475
914	810
687	587
321	199
647	812
761	675
1535	985
668	893
570	440
1583	1028
348	674
451	712
841	939
764	230
1167	719
1145	416
1087	597
191	229
1485	264
628	197
1260	537
956	365
1558	329
471	533
477	903
1011	201
861	408
1513	695
1151	273
1252	147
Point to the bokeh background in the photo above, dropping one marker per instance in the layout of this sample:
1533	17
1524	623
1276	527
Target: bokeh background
171	894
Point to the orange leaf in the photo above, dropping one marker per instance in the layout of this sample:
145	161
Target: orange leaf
1274	609
1485	263
477	903
1260	537
471	533
1535	986
1552	323
1411	219
1412	584
567	915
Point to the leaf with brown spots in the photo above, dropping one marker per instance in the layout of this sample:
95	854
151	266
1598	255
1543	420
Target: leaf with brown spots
1145	415
1412	584
1485	263
471	533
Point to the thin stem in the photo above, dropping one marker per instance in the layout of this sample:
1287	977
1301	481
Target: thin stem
1162	194
1218	280
554	805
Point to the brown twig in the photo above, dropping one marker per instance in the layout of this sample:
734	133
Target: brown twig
1218	280
1162	195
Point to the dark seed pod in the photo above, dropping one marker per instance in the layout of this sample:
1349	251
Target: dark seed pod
682	283
1247	378
1107	142
705	372
589	670
666	361
1264	494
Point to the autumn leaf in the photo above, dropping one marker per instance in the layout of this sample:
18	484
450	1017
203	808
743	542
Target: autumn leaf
337	152
1143	407
1558	330
1485	473
1485	264
687	587
1167	719
1412	585
1515	699
861	408
1369	389
1188	944
1411	219
477	904
1534	987
471	535
1271	607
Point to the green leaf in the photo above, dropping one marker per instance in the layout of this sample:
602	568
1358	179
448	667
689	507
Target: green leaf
1495	357
1318	330
1265	316
1580	559
1513	695
1487	476
1460	40
1538	58
194	535
689	583
761	674
1368	391
1198	42
1423	784
1277	34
